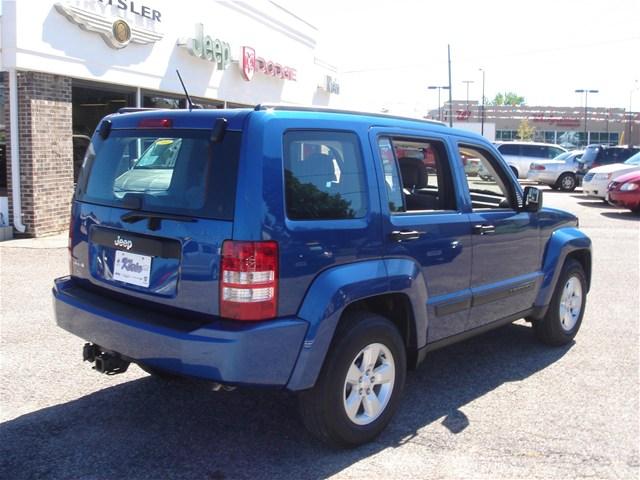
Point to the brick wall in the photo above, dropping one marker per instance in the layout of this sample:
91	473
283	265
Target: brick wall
46	152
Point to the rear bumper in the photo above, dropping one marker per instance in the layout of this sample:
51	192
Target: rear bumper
542	177
595	189
242	353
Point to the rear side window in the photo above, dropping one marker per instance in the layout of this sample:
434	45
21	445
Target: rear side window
590	154
509	149
533	151
324	177
168	171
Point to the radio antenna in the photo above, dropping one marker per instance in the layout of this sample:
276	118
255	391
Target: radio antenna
191	104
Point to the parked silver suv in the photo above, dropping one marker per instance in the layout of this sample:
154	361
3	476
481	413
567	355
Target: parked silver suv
520	155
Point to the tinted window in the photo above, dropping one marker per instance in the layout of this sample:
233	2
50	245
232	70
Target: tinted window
169	171
590	154
324	176
509	149
533	151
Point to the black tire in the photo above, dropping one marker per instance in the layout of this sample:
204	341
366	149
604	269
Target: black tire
567	182
323	408
559	327
553	187
515	172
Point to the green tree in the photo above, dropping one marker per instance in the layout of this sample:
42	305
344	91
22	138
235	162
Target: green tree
508	98
525	130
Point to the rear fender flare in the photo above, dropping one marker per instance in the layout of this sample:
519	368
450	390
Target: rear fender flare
337	288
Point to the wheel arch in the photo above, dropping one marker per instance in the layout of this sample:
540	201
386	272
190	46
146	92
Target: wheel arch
393	288
564	243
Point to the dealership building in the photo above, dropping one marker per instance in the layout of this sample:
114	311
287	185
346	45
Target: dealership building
561	125
66	64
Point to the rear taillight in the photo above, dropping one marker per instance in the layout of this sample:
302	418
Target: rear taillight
535	166
249	280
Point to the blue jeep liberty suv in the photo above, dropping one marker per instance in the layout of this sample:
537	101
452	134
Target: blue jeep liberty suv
319	251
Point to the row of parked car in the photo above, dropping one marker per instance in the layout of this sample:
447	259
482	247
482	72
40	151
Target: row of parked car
611	173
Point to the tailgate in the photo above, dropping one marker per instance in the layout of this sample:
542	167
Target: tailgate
152	209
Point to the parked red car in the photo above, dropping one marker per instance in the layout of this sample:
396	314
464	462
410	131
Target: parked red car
624	191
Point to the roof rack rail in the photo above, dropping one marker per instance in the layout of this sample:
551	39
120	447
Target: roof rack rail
302	108
138	109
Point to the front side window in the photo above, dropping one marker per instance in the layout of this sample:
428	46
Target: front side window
488	185
324	176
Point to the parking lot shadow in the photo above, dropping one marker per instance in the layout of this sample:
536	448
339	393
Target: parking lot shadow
148	428
596	204
627	215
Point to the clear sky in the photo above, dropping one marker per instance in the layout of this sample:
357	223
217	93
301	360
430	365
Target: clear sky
388	52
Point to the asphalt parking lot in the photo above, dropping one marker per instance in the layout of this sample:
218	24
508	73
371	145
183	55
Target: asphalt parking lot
497	406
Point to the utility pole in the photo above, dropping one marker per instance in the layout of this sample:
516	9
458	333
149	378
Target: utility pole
482	111
450	102
467	82
433	87
630	114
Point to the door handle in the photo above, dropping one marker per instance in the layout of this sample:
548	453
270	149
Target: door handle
405	235
483	229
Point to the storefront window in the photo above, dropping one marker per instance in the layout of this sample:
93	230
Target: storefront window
164	100
569	139
151	100
506	135
91	102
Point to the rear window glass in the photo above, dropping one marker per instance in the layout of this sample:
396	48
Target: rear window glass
590	154
170	171
324	176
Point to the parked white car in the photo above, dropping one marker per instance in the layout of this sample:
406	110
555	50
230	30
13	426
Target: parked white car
519	155
559	173
597	179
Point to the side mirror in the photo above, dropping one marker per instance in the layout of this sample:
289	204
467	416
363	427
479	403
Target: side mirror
532	199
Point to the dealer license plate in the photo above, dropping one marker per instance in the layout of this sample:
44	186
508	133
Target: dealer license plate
132	268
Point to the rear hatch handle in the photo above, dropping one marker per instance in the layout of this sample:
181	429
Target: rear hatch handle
154	218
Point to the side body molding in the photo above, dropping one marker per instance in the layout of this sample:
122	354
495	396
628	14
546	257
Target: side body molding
561	244
335	289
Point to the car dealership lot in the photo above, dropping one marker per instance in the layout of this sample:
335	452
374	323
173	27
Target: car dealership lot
497	406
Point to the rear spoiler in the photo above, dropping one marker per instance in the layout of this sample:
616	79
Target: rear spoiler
138	109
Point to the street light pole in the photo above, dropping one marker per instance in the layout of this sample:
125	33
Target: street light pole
482	113
467	82
635	83
433	87
586	94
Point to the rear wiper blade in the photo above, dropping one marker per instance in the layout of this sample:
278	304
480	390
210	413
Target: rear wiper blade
154	218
